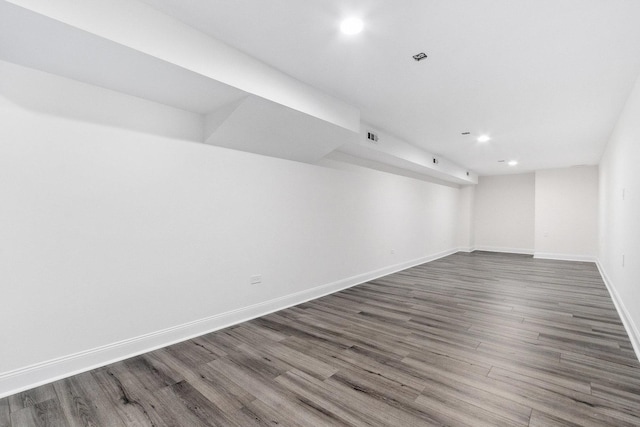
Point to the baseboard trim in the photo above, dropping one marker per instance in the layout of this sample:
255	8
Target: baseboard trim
564	257
627	321
499	249
28	377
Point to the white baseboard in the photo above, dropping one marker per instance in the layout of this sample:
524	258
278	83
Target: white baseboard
627	321
520	251
564	257
467	249
25	378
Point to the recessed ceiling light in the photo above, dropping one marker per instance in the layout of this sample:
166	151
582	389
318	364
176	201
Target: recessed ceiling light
483	138
512	162
351	26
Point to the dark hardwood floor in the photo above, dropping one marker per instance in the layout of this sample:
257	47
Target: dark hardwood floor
476	339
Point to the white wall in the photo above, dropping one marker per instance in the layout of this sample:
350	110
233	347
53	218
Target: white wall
117	238
620	215
566	213
504	213
465	231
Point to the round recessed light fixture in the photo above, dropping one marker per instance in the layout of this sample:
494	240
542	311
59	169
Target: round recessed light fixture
484	138
351	26
512	162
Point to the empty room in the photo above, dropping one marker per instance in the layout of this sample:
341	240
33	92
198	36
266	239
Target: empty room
319	213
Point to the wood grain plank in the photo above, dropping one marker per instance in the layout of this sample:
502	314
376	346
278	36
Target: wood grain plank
132	402
5	413
84	403
41	414
31	397
270	392
322	395
540	419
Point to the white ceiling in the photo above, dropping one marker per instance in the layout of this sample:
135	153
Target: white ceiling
545	78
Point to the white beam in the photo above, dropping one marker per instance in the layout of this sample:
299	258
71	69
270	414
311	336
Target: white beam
143	28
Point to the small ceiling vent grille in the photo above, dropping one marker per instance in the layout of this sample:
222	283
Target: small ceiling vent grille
420	56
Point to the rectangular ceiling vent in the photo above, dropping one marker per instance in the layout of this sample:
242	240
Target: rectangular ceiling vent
372	137
420	56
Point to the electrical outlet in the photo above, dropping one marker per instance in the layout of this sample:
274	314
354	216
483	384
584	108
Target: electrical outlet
255	280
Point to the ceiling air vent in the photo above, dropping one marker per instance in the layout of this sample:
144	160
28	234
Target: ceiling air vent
372	137
420	56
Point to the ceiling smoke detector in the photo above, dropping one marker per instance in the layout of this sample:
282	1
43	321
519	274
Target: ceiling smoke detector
420	56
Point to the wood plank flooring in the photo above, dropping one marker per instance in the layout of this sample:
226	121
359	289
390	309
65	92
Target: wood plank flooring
478	339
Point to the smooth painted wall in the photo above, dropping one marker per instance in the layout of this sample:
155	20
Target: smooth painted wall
465	231
111	230
619	239
566	213
504	213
